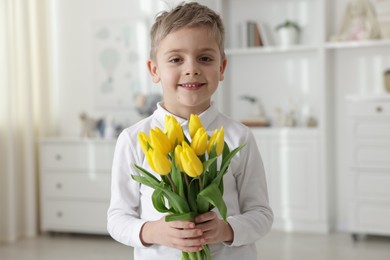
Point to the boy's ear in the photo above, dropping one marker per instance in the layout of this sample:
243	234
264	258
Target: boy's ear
222	69
153	70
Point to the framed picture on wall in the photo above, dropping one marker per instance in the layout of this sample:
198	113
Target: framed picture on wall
119	62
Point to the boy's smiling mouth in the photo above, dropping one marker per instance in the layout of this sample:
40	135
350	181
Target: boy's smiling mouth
191	85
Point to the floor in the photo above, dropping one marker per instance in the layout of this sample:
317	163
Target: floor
275	246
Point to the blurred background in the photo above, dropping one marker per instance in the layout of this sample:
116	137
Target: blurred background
310	77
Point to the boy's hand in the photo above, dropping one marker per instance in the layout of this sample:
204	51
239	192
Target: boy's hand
214	229
181	235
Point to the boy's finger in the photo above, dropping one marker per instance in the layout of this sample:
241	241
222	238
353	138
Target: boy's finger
182	224
205	217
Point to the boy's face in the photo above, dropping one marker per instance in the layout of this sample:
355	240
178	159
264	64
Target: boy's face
189	66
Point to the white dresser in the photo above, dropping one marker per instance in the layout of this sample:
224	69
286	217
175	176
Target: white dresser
296	178
75	184
368	141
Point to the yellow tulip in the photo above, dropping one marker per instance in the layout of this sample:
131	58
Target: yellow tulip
158	161
173	130
217	140
199	141
192	165
160	141
178	151
144	141
194	124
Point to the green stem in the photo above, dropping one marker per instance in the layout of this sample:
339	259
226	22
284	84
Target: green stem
200	183
186	180
192	256
172	183
199	255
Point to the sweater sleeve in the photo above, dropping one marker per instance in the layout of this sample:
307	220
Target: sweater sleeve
123	221
256	216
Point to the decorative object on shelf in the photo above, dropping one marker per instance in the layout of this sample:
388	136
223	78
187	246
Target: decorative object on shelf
359	23
382	9
147	103
250	35
258	118
386	76
287	119
288	33
89	125
109	129
311	121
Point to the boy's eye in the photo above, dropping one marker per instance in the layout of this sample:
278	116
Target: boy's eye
205	59
175	60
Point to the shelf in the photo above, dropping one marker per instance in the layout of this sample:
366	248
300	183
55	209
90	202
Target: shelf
368	98
271	50
357	44
74	139
305	131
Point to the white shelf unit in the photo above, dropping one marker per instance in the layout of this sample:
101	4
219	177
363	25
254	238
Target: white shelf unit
316	74
285	78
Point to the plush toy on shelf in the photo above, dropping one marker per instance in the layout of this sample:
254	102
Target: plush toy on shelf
89	125
359	23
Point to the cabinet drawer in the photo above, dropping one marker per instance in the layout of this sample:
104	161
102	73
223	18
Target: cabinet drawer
371	154
77	216
366	128
372	217
369	108
372	183
77	156
72	185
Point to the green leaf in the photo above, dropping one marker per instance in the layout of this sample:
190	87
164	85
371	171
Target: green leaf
177	178
193	190
143	180
189	216
213	195
225	164
159	202
208	163
213	166
206	176
178	203
225	151
202	204
228	158
153	180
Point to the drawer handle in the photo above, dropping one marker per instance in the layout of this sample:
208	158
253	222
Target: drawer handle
60	214
59	185
58	157
379	109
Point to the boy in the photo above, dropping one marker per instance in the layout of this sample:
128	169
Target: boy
187	58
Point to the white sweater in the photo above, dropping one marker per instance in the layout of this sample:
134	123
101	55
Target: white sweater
245	190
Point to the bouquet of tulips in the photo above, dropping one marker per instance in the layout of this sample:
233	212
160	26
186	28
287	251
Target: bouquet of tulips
191	175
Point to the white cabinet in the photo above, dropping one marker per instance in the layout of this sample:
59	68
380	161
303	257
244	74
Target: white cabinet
369	165
75	184
295	178
312	77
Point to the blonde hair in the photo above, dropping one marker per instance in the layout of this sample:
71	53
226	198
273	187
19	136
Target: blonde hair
187	16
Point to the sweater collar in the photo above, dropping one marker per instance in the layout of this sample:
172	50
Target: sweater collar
206	117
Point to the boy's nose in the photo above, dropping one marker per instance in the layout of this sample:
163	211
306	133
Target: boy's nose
192	69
